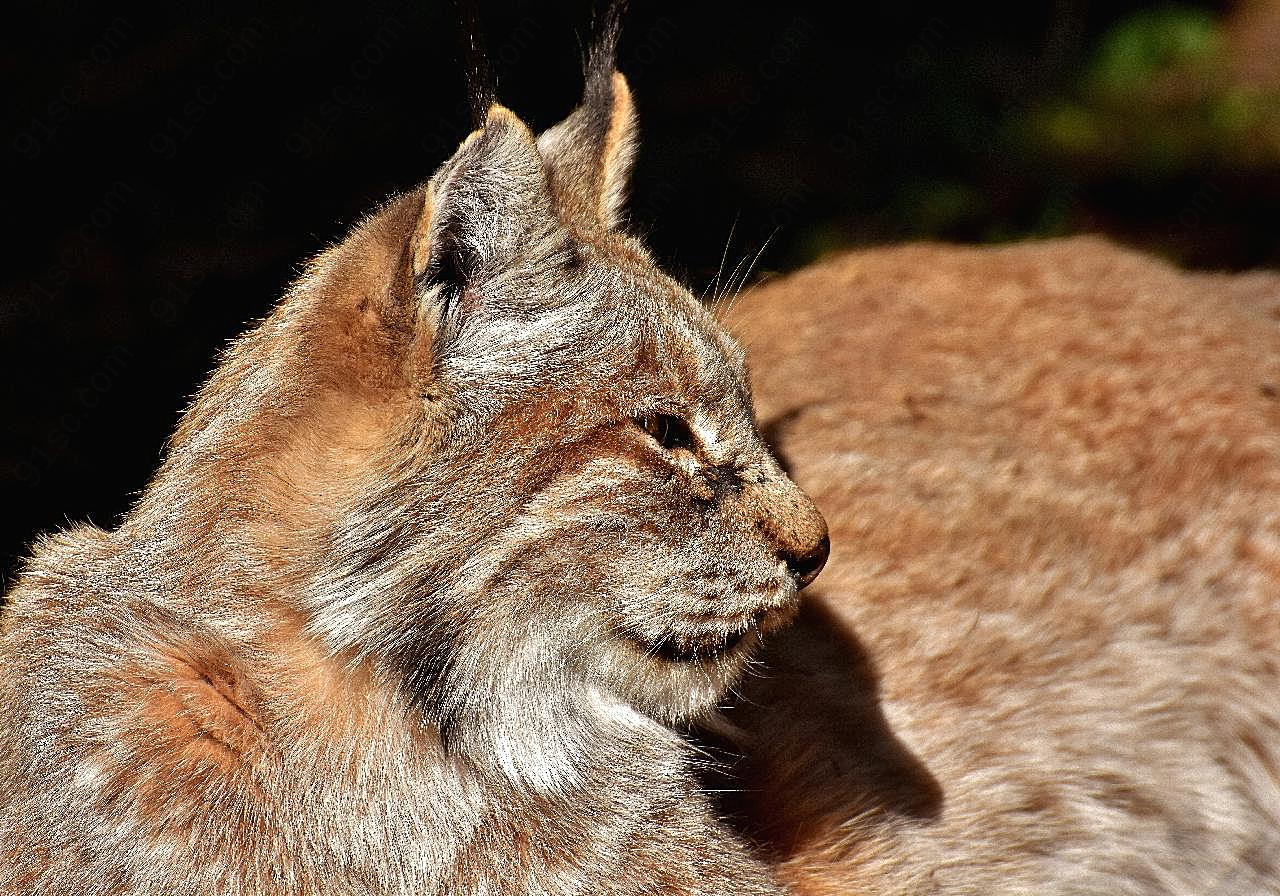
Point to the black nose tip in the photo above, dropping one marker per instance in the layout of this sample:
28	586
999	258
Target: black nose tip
805	567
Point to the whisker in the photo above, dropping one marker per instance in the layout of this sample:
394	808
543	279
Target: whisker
714	288
752	266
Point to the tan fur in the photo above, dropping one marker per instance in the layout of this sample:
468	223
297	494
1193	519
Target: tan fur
1044	656
439	565
618	145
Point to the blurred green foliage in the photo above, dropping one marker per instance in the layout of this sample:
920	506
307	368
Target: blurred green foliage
1156	100
1150	43
1158	125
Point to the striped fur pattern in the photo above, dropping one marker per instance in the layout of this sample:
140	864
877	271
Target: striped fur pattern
436	565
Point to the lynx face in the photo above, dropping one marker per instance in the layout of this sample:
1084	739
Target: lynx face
648	534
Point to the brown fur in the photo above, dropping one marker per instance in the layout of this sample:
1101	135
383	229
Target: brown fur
1044	656
437	564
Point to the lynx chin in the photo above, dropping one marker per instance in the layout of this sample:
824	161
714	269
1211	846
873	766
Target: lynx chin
435	563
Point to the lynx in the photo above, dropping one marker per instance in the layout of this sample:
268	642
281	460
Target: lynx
1044	658
436	567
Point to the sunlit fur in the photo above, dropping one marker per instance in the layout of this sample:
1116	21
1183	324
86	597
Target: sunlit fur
413	599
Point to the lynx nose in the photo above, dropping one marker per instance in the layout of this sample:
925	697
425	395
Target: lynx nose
792	524
805	567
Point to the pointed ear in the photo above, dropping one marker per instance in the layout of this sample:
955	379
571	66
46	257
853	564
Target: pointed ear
589	154
483	206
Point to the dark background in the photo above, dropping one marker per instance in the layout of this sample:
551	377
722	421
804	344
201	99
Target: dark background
166	170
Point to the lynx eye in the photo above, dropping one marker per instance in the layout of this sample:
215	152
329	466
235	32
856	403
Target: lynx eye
670	432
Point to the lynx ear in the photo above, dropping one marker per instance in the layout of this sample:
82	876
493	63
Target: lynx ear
590	153
481	209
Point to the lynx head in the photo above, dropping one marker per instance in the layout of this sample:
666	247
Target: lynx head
494	450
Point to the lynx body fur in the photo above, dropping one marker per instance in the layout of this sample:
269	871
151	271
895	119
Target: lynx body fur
1045	656
434	561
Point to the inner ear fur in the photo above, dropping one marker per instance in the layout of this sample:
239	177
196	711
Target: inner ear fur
405	267
485	204
589	155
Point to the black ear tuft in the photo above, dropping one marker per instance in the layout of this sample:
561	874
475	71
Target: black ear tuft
481	86
602	61
589	154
